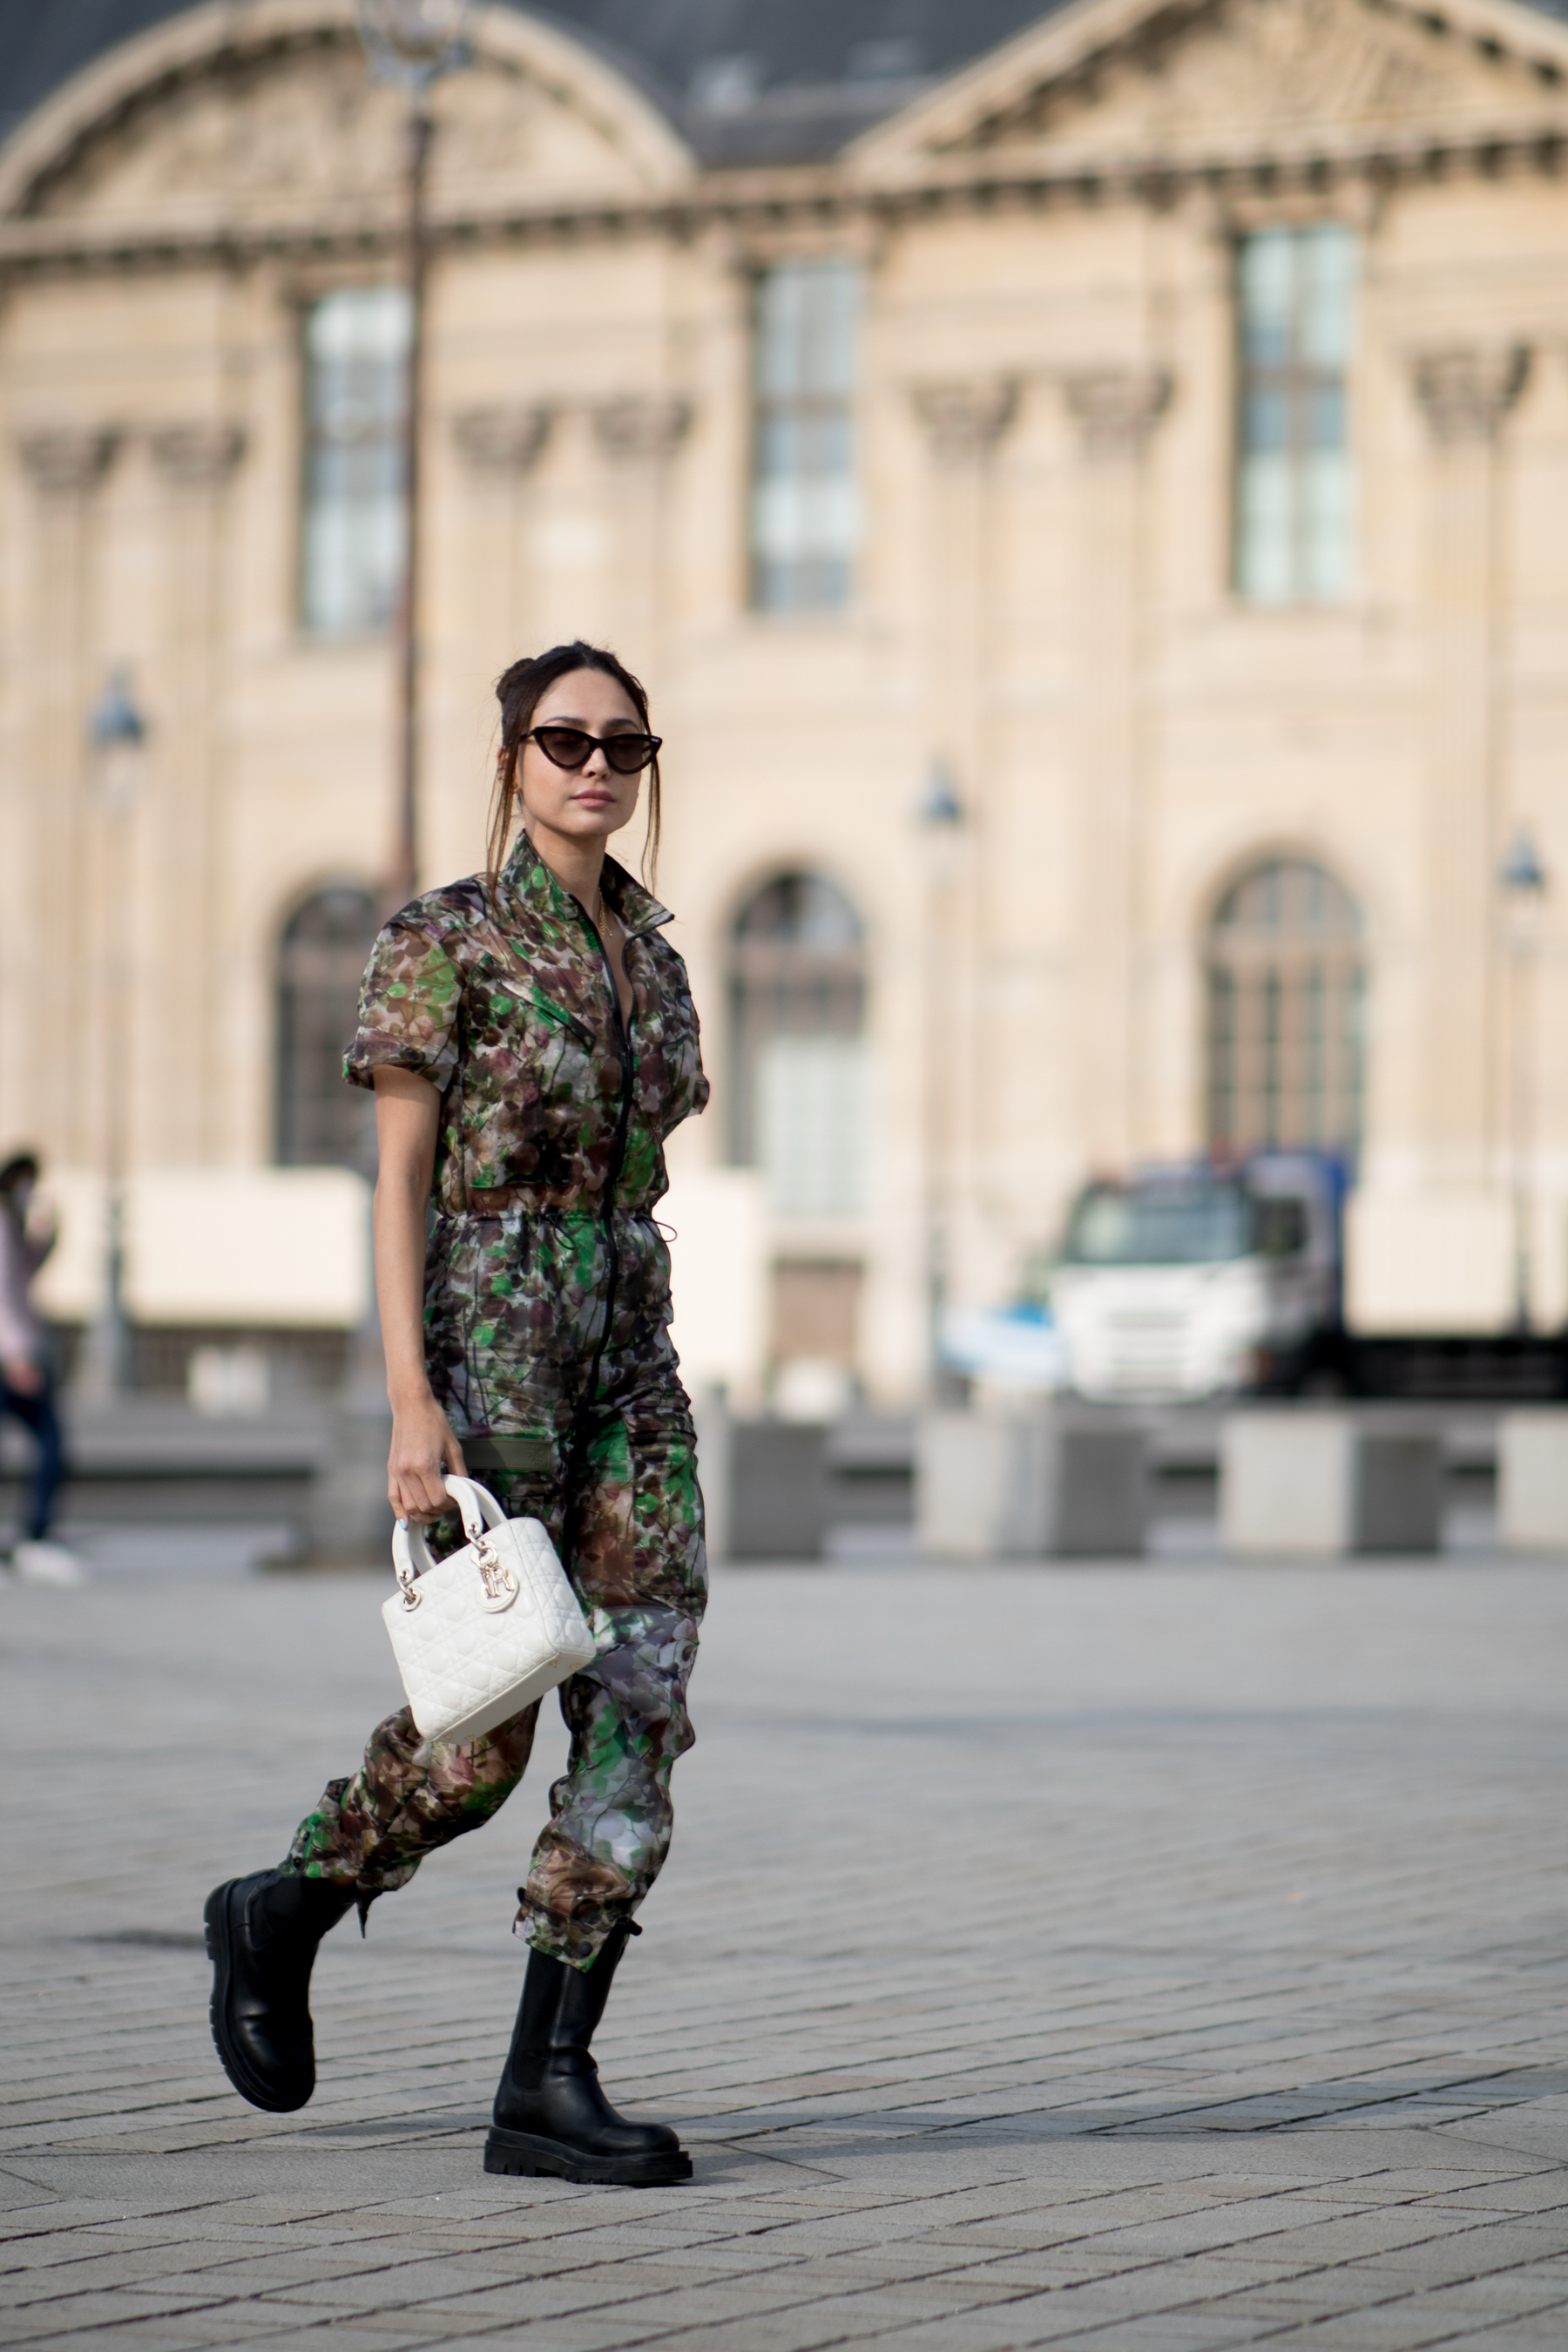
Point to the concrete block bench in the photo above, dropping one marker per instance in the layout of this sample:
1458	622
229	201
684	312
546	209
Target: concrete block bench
1027	1486
1304	1484
1532	1480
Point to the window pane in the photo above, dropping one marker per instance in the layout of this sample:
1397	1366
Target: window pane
830	315
1265	571
801	911
1265	419
1222	1056
812	1124
356	377
1325	407
1268	290
797	1014
1294	505
322	1120
805	515
1326	491
1285	987
1328	257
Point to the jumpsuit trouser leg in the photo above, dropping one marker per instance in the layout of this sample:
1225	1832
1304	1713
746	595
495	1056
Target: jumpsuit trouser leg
626	1512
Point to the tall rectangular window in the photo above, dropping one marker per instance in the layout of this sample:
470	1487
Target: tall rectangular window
804	507
1294	492
356	389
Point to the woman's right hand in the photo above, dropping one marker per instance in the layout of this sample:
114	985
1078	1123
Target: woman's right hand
423	1445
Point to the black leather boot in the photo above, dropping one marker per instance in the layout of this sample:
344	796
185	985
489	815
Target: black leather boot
262	1934
550	2115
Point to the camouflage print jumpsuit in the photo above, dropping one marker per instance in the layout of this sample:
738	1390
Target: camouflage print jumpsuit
546	1314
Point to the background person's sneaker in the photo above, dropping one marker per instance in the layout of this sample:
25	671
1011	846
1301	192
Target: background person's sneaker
41	1563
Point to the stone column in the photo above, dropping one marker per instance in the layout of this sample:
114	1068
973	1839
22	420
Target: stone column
1115	410
501	446
184	956
58	1083
639	434
1466	393
964	422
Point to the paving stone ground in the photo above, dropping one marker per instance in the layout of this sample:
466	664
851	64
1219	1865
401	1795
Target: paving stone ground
1155	1959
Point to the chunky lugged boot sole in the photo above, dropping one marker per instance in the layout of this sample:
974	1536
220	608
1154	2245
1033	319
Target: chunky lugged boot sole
524	2155
232	2059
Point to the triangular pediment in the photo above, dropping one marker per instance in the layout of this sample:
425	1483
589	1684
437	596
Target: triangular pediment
209	123
1166	81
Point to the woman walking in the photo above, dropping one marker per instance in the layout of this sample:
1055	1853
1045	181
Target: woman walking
530	1040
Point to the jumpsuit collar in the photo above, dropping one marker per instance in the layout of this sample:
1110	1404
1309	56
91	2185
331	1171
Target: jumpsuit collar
526	878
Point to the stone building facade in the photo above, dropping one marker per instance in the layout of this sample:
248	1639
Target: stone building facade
1094	522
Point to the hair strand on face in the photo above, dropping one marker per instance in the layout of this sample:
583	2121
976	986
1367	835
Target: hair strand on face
520	690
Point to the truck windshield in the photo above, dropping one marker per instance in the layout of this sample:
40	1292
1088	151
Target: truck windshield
1158	1224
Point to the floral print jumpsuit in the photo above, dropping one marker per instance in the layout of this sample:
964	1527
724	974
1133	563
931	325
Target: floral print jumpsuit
546	1320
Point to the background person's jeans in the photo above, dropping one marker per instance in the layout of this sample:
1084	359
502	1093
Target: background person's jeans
38	1414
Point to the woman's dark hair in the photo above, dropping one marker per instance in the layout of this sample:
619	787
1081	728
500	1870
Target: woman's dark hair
518	690
22	1168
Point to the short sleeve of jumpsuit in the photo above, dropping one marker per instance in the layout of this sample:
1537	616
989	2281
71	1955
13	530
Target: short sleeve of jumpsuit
547	1340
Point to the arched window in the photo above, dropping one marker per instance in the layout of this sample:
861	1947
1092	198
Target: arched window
1285	989
321	1120
799	1108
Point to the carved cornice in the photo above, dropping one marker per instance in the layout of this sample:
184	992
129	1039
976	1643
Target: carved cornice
964	420
810	199
69	461
196	457
503	440
1466	390
642	427
1185	68
1117	408
234	50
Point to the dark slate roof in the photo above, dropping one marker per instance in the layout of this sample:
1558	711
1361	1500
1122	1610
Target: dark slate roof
744	80
776	81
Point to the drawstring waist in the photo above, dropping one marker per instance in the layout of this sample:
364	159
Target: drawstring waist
502	1200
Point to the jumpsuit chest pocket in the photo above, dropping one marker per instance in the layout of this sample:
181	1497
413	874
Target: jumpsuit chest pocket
541	1048
535	1077
553	1020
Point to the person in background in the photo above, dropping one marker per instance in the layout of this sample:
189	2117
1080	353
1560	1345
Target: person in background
26	1383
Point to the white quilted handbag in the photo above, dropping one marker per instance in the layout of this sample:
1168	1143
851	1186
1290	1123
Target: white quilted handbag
481	1635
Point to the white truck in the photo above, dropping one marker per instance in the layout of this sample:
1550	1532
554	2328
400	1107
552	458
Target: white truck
1190	1281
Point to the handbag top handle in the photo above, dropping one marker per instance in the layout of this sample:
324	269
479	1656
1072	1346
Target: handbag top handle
477	1504
411	1554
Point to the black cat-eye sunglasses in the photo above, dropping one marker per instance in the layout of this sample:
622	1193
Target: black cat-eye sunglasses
573	747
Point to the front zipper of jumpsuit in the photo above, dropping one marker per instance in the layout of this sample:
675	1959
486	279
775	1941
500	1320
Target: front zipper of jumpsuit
585	1037
618	1161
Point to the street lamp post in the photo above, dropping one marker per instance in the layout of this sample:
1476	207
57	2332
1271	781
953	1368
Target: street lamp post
1523	881
940	816
412	44
117	735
